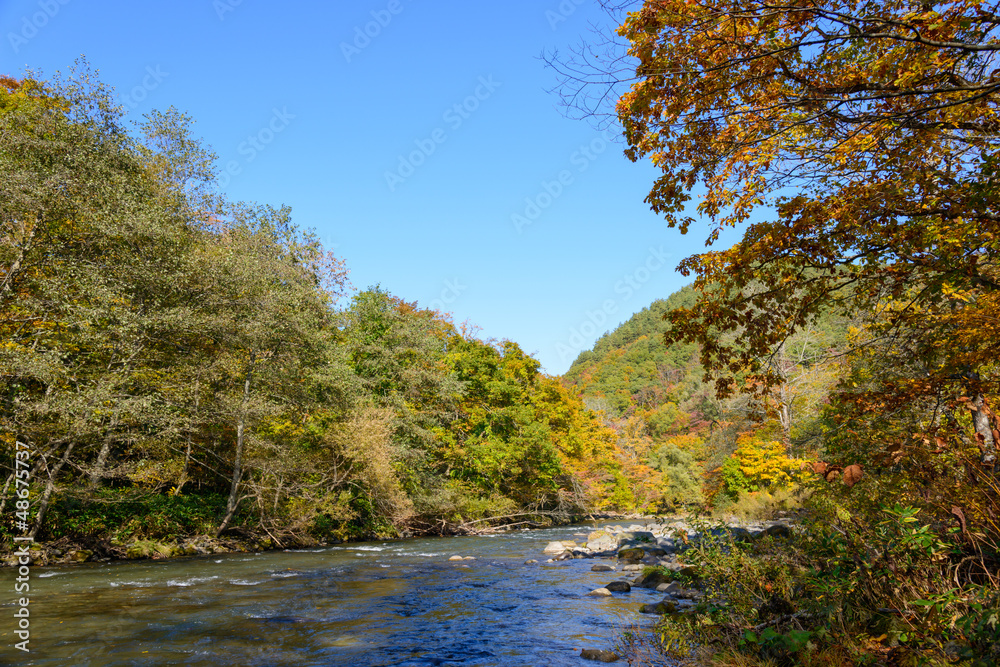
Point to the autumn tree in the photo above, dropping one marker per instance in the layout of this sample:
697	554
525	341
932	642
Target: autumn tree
855	144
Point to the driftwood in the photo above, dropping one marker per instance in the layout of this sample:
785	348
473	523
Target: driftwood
465	527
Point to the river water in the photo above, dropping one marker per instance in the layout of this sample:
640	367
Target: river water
377	603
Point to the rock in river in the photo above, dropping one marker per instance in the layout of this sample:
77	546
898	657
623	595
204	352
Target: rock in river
598	655
639	536
619	587
632	553
600	567
777	530
601	540
652	579
555	548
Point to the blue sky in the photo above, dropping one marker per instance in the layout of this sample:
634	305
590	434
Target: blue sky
410	149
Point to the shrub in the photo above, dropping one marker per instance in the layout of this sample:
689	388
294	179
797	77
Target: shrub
124	515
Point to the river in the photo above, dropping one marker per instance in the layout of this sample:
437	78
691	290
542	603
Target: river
377	603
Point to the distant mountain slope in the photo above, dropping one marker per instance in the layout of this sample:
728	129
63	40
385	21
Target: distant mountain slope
631	368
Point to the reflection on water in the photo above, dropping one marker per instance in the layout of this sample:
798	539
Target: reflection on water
390	603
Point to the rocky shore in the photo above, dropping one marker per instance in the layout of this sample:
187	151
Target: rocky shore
66	552
650	556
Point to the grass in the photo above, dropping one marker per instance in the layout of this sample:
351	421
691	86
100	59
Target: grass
760	505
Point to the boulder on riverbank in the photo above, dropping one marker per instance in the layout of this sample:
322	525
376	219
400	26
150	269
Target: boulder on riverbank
648	550
663	607
631	554
779	530
637	536
79	556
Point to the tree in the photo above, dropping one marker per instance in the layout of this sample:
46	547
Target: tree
139	313
269	322
866	132
502	444
86	246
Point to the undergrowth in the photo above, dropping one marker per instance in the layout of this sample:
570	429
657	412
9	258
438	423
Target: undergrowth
866	578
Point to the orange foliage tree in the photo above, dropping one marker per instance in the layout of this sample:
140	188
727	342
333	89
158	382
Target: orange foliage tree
855	143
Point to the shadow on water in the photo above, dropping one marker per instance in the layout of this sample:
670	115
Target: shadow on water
392	603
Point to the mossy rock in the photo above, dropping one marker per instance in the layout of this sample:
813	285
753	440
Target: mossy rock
638	536
632	553
778	531
653	577
150	549
79	556
661	608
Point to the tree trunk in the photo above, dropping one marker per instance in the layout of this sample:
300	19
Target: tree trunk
97	474
184	471
984	433
50	486
785	417
783	397
187	453
102	456
3	496
39	462
234	500
8	279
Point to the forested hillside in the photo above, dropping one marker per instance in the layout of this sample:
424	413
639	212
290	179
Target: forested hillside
690	448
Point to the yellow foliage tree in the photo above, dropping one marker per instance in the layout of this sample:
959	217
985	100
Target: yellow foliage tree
757	464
